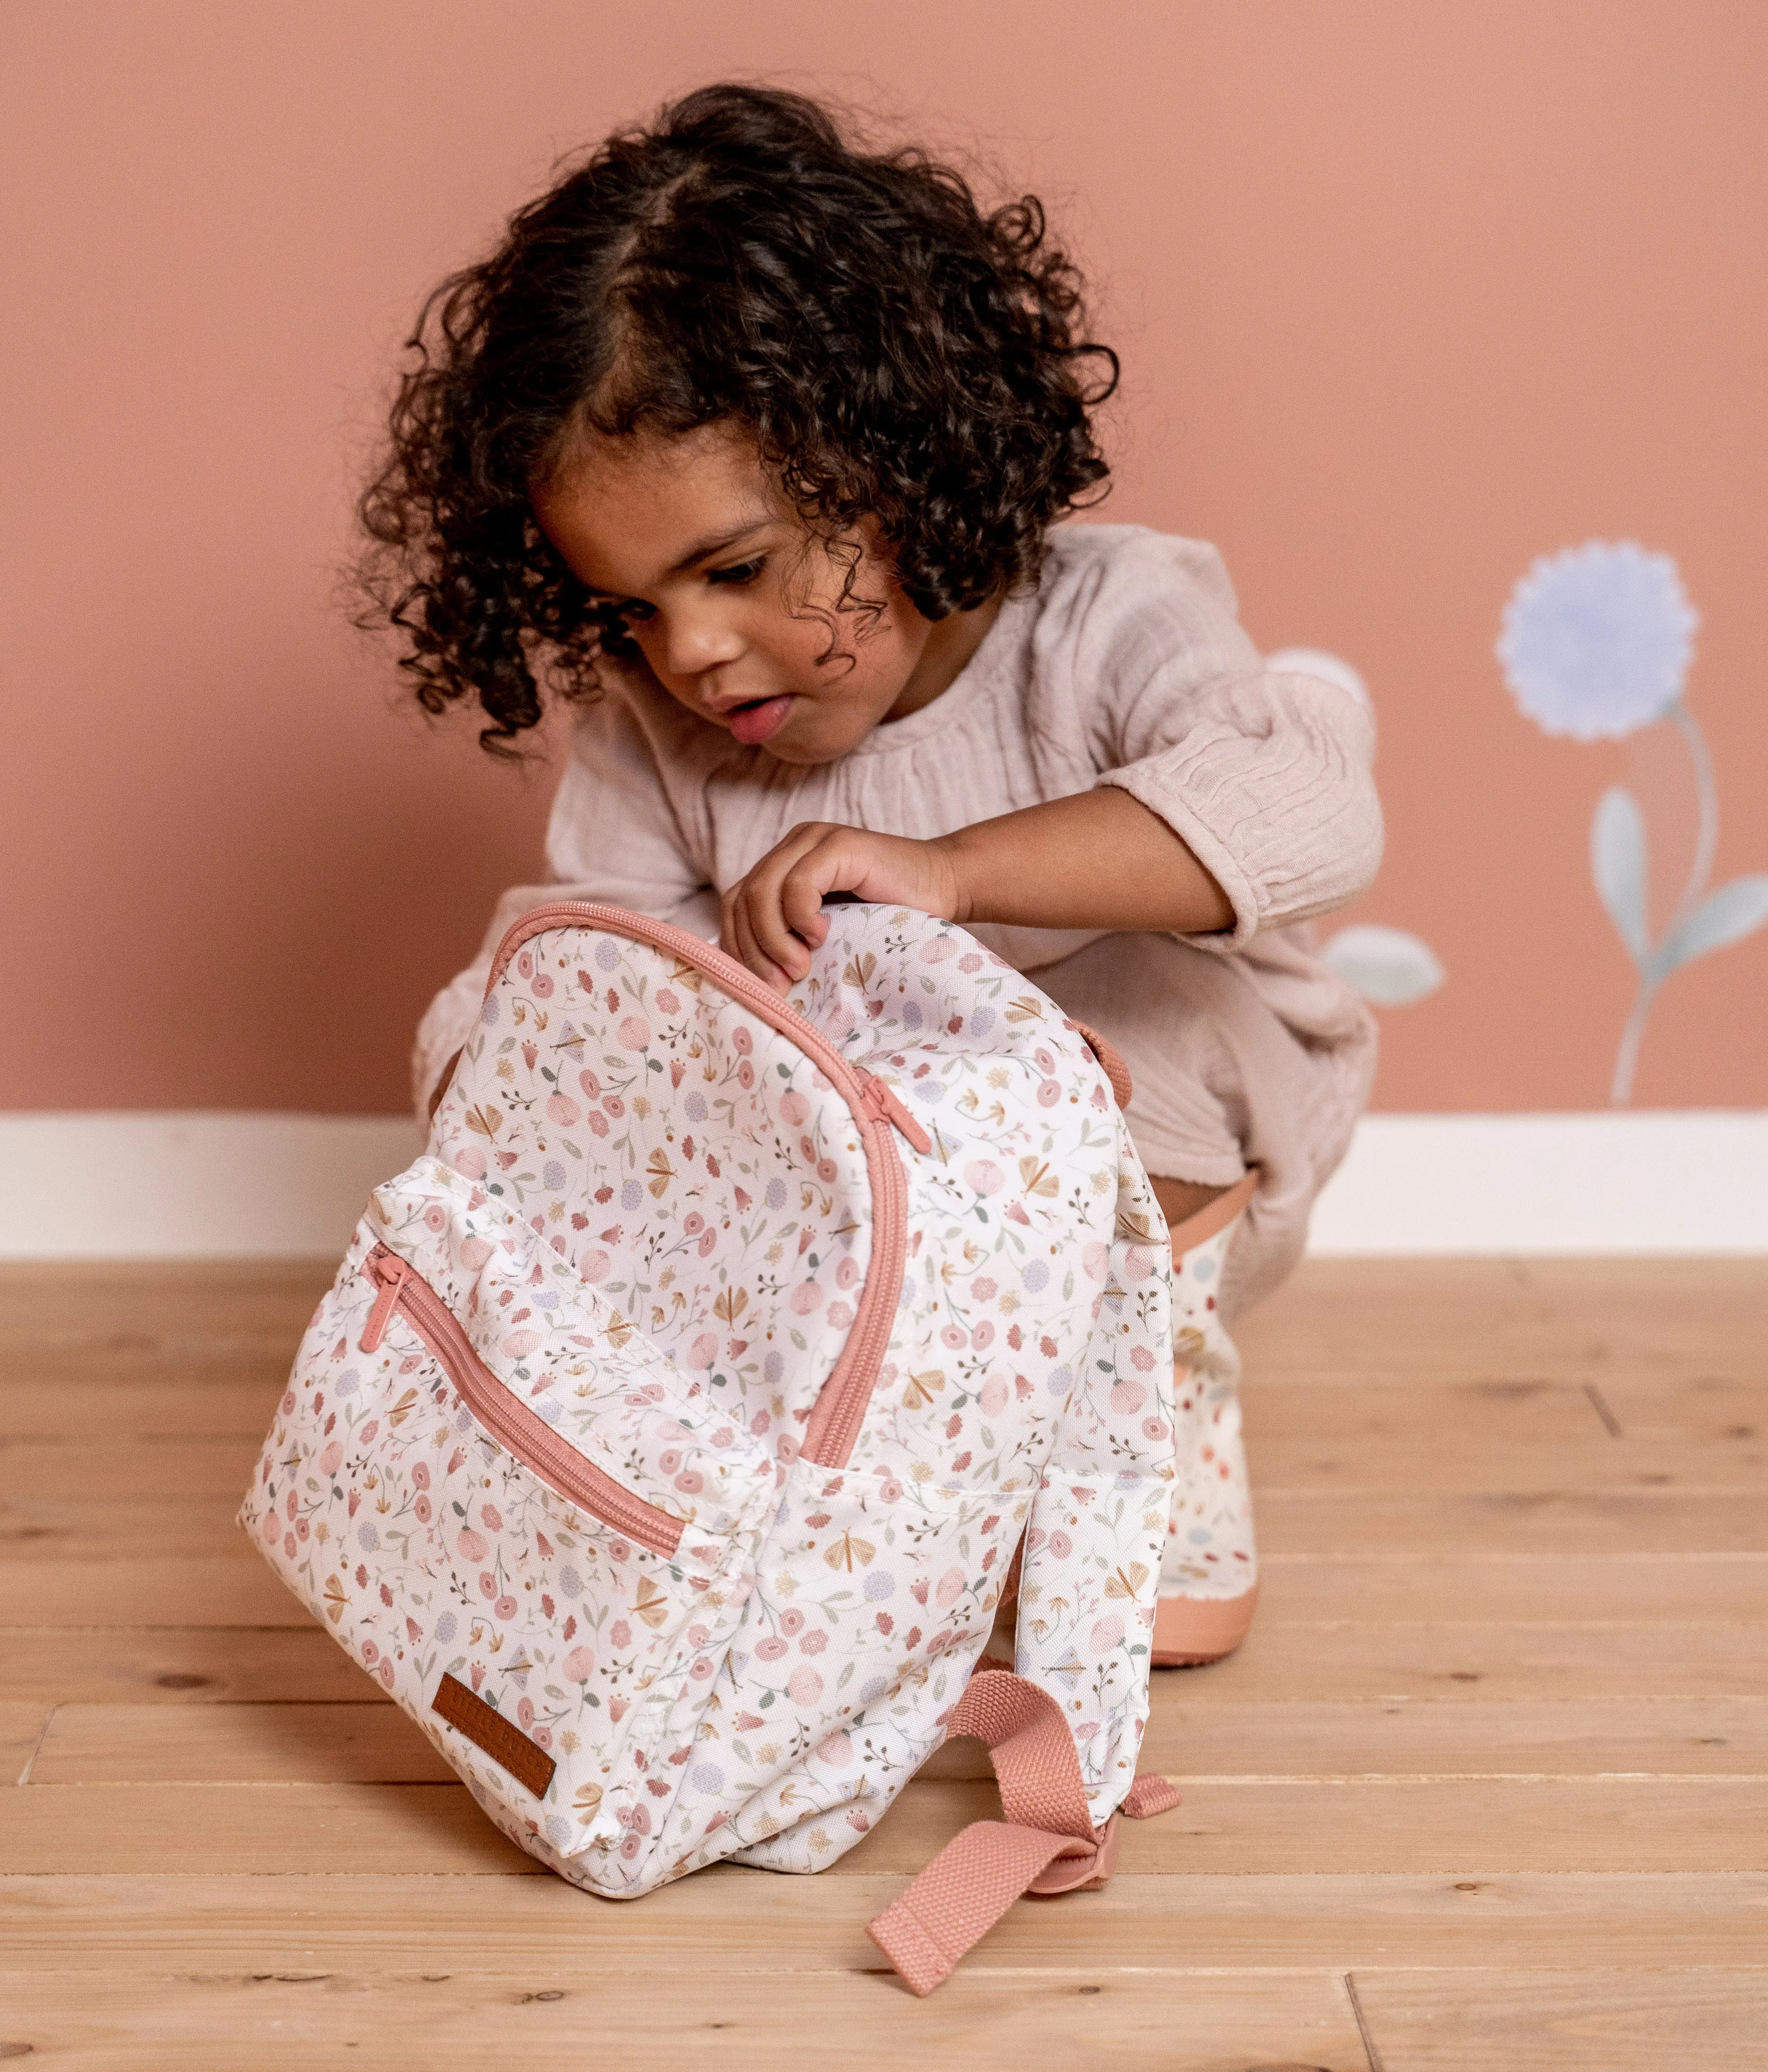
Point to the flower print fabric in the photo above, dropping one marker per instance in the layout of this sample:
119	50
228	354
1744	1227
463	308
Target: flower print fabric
678	1152
566	1353
651	1214
1032	1351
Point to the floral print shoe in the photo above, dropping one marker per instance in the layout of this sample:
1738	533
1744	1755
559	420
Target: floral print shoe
1209	1572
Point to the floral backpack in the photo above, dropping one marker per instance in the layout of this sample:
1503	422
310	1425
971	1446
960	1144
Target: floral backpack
667	1439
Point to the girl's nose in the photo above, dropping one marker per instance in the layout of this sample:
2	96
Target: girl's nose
694	641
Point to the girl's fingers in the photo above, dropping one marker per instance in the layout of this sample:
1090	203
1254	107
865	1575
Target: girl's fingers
727	923
773	920
801	890
767	924
748	949
764	901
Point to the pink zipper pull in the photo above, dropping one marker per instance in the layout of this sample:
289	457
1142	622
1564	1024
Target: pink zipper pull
391	1273
881	1101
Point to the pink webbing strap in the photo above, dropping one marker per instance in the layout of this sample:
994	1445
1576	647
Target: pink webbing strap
1046	1844
1110	1060
1150	1797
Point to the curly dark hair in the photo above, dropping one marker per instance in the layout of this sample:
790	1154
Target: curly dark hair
895	352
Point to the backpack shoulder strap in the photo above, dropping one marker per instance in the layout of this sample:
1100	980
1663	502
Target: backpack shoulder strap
1046	1844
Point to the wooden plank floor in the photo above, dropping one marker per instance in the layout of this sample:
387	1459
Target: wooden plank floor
1485	1792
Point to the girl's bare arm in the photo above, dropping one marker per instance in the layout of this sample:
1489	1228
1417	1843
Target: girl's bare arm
1098	859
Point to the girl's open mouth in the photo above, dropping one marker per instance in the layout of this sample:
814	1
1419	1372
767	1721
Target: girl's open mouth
753	724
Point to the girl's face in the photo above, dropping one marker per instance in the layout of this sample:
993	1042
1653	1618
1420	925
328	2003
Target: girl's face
732	602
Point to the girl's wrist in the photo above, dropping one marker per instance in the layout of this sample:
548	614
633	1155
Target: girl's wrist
1098	859
949	858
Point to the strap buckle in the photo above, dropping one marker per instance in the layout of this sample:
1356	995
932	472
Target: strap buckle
1081	1866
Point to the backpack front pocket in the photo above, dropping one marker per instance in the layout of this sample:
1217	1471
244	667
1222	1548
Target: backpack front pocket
593	1516
526	1437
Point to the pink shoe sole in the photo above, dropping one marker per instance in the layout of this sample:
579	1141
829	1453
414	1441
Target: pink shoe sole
1190	1631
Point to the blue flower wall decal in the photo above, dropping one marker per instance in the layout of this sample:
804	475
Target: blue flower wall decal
1597	640
1596	643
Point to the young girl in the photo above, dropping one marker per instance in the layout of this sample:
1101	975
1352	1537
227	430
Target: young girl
752	444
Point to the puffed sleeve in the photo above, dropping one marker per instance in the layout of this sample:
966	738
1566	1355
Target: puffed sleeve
1265	775
614	836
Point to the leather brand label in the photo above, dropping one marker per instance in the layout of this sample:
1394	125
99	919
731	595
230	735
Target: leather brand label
526	1762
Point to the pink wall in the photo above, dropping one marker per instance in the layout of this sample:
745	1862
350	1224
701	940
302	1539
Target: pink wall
1407	295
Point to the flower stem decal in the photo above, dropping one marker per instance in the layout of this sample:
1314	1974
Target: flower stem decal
1596	644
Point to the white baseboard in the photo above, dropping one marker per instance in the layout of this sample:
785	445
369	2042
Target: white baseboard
233	1184
1676	1180
244	1186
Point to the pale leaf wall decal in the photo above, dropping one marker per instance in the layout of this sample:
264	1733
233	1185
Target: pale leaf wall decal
1385	965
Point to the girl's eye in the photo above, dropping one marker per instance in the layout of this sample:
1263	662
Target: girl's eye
745	571
635	608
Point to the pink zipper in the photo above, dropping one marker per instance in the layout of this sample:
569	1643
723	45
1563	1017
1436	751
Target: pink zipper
531	1438
841	1407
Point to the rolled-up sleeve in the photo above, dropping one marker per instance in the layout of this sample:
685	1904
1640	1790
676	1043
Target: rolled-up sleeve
1266	779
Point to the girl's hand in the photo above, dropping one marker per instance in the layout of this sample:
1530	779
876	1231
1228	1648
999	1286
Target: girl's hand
773	918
